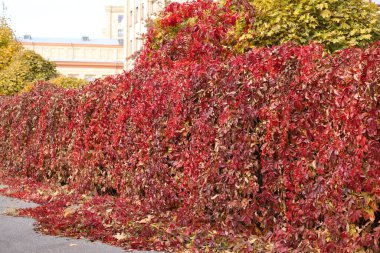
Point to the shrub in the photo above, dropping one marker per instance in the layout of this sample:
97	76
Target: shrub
69	82
335	24
60	81
280	142
218	150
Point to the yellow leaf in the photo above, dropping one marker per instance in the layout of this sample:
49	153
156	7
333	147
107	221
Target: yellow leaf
120	236
366	36
11	212
371	214
146	220
352	230
326	14
70	210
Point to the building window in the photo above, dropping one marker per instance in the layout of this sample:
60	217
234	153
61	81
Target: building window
136	46
130	18
150	8
137	15
120	18
142	12
120	33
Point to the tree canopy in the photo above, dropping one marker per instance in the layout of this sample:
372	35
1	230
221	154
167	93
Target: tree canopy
9	47
19	67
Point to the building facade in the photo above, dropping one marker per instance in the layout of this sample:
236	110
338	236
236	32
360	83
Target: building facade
88	58
137	12
115	23
82	58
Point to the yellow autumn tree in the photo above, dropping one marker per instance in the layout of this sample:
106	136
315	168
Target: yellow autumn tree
9	47
27	67
19	67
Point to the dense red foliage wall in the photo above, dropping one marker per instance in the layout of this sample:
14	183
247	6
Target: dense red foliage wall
281	142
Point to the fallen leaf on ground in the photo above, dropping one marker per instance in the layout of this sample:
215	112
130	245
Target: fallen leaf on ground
11	212
120	236
146	220
70	210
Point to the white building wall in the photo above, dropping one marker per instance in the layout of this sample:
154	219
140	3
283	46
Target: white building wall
115	22
70	52
137	13
87	73
87	62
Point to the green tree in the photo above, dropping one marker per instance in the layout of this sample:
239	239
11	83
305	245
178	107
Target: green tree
27	67
19	67
336	24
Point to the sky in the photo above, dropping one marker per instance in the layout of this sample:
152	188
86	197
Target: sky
57	18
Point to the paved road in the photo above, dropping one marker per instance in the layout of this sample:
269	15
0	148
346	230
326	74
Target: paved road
17	236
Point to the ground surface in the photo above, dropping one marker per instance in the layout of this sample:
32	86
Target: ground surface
17	235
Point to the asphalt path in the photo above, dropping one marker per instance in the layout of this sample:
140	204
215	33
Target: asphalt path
17	235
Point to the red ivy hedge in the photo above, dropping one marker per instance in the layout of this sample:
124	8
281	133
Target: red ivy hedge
281	143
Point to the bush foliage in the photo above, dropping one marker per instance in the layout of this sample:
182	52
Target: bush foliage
69	82
335	24
276	149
